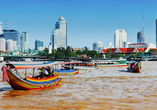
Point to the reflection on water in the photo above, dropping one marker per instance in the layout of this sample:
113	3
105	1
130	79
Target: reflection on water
105	88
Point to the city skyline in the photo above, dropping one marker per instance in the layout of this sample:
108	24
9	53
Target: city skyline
88	21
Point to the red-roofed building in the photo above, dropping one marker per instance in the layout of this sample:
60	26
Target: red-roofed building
109	50
82	56
126	50
141	49
104	50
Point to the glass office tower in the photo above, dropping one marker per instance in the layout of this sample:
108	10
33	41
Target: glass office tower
141	37
39	43
59	34
14	35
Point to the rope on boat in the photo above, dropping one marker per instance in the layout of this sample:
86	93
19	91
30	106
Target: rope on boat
5	75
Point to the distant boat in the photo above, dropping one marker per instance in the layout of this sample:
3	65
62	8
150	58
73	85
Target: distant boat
67	68
64	72
112	63
27	83
134	66
86	64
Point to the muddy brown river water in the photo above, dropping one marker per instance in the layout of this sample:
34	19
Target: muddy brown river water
106	88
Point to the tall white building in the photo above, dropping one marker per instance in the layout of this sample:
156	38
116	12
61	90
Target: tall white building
14	35
11	45
59	34
0	27
24	41
2	44
120	36
50	48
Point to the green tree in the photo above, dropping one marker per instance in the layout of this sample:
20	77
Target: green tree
99	55
152	50
59	55
72	54
85	50
78	52
62	49
46	50
50	56
92	53
137	54
68	50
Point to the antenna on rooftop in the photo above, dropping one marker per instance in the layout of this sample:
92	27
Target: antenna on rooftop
142	21
6	24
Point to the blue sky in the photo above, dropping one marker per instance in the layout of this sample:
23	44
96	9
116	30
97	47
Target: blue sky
88	21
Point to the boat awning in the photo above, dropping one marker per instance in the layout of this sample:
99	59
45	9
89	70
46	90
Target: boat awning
29	66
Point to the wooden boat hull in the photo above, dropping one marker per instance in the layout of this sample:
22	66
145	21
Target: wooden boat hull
136	69
18	83
65	72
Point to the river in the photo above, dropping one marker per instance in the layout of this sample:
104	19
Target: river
106	88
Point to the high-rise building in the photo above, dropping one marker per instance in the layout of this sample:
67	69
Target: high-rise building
59	34
0	27
120	36
94	46
39	43
14	35
11	45
2	44
141	37
24	41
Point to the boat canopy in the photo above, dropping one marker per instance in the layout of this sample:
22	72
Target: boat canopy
29	66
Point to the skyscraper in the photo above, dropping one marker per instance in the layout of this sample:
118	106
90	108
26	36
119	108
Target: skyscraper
141	37
120	36
38	43
94	46
59	34
11	45
14	35
24	41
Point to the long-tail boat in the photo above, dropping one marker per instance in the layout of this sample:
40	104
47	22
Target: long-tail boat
112	63
134	66
67	68
12	76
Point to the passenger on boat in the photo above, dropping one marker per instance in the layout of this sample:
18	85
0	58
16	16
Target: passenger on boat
50	71
43	72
